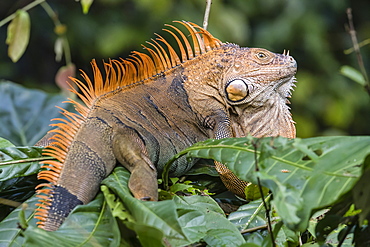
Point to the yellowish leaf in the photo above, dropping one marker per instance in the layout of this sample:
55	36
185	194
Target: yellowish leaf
18	35
86	5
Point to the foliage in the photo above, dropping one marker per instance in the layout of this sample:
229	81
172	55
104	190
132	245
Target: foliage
319	185
324	102
26	113
304	175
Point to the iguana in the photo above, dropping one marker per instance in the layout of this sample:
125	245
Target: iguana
143	110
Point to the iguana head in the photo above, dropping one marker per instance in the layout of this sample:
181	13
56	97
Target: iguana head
247	89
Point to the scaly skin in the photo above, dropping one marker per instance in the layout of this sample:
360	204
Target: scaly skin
224	91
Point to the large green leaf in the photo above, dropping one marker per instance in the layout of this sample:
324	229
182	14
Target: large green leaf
87	225
4	143
178	222
18	168
10	232
25	113
201	217
160	217
18	162
303	174
250	215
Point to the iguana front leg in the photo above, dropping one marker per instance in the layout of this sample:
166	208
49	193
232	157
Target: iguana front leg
222	129
129	149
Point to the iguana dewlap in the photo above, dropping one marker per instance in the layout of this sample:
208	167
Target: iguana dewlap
143	110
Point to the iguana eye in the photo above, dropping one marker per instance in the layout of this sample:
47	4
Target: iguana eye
261	55
237	90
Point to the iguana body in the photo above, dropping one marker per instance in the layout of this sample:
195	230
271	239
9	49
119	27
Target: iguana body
146	109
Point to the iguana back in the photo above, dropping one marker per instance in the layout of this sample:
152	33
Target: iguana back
146	109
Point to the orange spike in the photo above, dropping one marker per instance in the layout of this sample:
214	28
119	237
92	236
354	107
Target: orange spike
53	163
162	54
197	41
43	185
181	47
159	67
187	44
174	58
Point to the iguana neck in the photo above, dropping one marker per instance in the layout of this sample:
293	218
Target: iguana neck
267	120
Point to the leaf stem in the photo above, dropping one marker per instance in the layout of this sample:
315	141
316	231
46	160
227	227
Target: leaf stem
25	8
253	229
24	161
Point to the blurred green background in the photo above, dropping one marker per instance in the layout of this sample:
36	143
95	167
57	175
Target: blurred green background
324	102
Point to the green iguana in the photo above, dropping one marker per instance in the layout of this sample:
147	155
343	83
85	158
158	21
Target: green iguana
145	109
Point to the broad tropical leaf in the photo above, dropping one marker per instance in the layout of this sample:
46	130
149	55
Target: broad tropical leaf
250	215
24	119
303	174
4	143
11	234
87	225
156	218
178	222
19	162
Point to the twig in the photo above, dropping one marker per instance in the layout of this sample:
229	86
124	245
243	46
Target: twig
253	229
9	202
58	24
206	14
269	225
25	8
356	47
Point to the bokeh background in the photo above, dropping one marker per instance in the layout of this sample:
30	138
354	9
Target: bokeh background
324	102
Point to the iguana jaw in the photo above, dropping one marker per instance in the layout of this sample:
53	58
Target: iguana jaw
267	114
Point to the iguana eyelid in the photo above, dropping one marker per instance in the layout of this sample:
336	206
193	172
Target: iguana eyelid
263	56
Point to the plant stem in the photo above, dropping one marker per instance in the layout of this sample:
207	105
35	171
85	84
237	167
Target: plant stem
356	47
269	225
25	8
51	13
206	14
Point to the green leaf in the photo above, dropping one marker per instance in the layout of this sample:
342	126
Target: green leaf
19	162
18	168
4	143
201	217
303	174
177	222
87	225
161	216
86	5
249	215
26	113
115	204
360	193
10	233
18	35
353	74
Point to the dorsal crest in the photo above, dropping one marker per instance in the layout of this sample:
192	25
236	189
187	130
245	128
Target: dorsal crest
118	73
140	66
